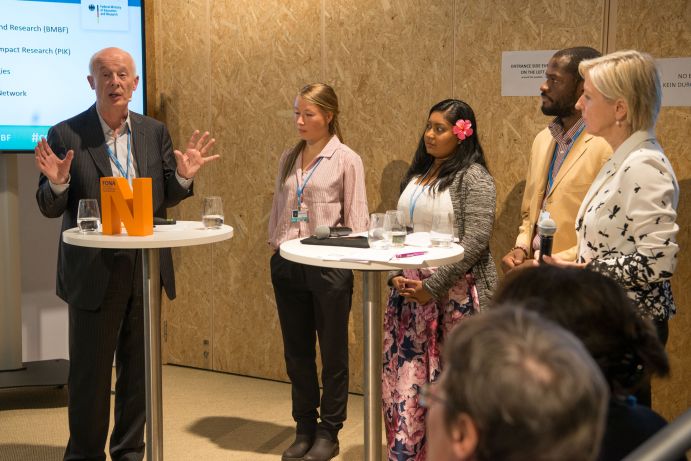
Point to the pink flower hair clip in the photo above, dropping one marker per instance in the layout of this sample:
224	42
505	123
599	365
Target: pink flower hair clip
463	129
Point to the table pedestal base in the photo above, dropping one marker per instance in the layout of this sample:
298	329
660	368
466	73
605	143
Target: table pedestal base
371	312
314	255
182	234
152	348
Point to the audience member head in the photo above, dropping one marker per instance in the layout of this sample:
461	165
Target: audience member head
563	84
316	118
595	309
515	387
629	78
450	136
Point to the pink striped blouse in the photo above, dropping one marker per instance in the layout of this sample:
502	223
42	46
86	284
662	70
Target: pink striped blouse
335	194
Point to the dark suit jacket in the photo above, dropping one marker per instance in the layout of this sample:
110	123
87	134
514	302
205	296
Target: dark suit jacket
83	273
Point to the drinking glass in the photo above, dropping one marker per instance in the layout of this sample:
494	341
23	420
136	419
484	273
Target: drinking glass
88	215
212	214
376	235
441	234
394	226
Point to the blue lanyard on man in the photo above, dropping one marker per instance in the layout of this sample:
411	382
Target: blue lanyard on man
300	189
551	175
113	156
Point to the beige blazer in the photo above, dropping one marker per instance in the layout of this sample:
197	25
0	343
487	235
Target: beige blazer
580	167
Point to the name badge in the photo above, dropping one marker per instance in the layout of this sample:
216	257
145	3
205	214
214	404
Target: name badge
299	216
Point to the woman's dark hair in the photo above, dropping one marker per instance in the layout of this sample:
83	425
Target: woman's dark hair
598	311
469	151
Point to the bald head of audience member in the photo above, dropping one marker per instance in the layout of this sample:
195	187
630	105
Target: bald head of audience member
515	387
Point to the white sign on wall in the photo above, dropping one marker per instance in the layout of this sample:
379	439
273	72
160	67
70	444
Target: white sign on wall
676	81
522	72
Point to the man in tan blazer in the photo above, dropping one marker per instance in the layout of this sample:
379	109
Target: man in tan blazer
563	162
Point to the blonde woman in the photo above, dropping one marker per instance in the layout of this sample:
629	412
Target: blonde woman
627	222
321	181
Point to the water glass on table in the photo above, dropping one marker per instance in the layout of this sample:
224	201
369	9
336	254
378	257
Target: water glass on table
395	229
212	214
88	215
441	234
376	235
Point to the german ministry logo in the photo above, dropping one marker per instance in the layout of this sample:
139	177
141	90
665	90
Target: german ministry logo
111	15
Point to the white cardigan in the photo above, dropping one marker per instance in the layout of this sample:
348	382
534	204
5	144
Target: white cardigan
626	224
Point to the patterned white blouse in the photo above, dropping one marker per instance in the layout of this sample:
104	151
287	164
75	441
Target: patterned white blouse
627	224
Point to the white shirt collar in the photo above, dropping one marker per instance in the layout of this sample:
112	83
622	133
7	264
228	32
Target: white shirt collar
108	131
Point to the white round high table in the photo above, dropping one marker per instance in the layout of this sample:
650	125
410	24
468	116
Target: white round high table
314	255
183	233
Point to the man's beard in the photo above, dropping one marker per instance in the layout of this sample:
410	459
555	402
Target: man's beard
563	108
559	109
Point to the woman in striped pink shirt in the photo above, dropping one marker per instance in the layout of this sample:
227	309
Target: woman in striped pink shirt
321	181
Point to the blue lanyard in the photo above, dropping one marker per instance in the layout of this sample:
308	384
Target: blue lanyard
414	198
300	189
124	173
550	176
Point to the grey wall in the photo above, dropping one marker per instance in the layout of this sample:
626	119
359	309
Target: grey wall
44	315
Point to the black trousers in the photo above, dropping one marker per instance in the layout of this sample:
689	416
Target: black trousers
644	393
314	302
117	327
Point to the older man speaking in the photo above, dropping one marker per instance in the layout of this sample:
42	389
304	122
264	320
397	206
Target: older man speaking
103	287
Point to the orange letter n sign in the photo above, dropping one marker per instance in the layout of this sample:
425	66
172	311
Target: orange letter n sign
120	205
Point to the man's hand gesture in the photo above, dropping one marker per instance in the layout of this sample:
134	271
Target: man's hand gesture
194	157
56	170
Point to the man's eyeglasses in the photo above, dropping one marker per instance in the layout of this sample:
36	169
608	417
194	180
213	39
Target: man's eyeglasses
428	395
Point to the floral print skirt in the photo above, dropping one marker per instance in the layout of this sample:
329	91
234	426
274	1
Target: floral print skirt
413	338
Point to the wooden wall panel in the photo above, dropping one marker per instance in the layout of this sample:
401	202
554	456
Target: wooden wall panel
262	53
663	29
508	125
182	101
390	67
387	78
234	68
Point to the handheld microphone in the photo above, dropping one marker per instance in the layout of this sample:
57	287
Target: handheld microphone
323	232
546	230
